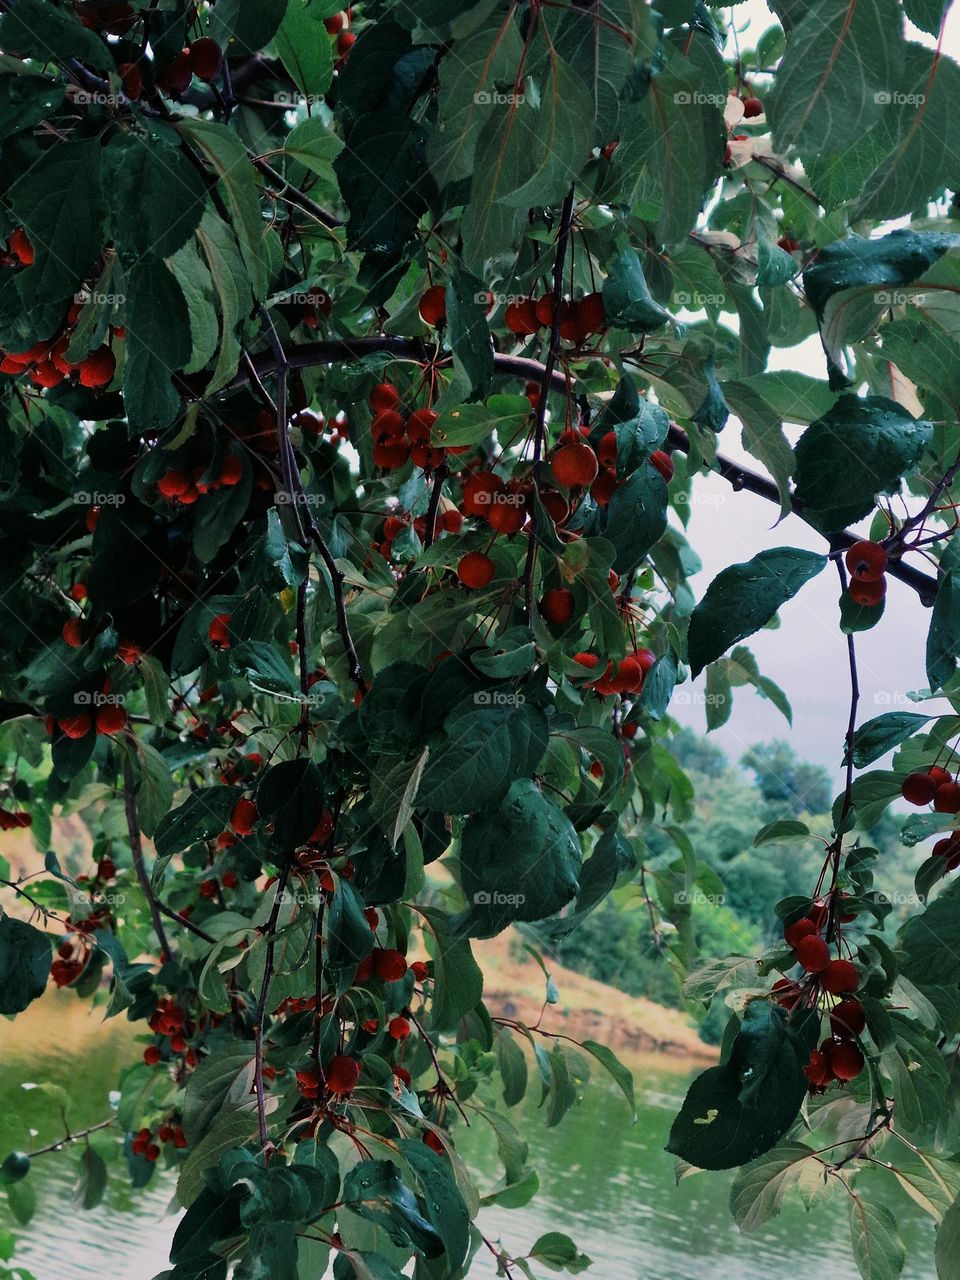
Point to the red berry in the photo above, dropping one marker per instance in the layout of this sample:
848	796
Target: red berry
939	775
206	58
800	929
388	424
918	788
664	464
520	317
335	23
71	633
574	466
591	316
244	816
847	1018
543	309
342	1074
399	1028
475	570
867	594
111	718
218	632
846	1060
813	954
345	42
384	396
132	79
231	471
21	247
506	517
866	561
420	425
151	1055
419	970
389	965
947	798
839	977
788	244
588	660
390	455
752	107
98	368
76	726
433	306
557	606
817	1070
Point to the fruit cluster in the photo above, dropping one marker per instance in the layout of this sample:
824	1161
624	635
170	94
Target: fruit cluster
866	563
625	676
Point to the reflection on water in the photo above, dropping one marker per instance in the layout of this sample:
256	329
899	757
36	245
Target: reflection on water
606	1182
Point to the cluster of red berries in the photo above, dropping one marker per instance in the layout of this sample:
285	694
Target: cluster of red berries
605	482
45	363
10	820
579	318
144	1144
202	58
185	487
866	563
337	25
625	676
933	784
107	719
171	1021
340	1076
398	435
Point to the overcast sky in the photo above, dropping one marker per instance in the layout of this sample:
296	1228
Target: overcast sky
807	655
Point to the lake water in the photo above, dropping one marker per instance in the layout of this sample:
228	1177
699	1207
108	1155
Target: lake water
604	1181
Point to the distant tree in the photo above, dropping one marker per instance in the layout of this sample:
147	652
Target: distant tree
697	754
790	784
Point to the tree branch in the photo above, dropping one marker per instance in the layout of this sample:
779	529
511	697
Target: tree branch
136	847
271	934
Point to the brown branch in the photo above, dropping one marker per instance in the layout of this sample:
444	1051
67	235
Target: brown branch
136	848
287	191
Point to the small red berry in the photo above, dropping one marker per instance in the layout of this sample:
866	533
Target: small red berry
839	977
813	954
433	306
475	570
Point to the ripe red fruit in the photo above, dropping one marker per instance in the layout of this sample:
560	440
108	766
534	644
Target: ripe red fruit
588	660
390	454
345	42
341	1074
604	487
128	652
420	424
388	424
817	1070
591	316
389	965
244	816
111	718
521	317
867	594
433	306
506	517
800	929
947	798
206	58
839	977
813	954
451	521
420	970
172	484
399	1028
98	368
752	107
71	633
231	471
846	1060
335	23
847	1019
76	726
918	788
543	308
664	464
21	247
384	396
151	1055
939	775
478	490
218	632
176	76
866	561
628	677
574	466
475	570
557	606
787	992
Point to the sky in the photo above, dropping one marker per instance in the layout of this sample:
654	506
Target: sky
807	656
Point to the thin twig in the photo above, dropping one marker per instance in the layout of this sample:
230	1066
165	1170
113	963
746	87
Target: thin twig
136	847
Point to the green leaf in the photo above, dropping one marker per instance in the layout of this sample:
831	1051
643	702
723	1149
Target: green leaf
918	1076
559	1253
517	862
59	201
763	435
233	288
228	157
243	28
458	979
384	181
25	100
861	448
947	1250
313	145
621	1074
91	1179
878	736
897	258
307	53
445	1206
842	63
779	831
877	1248
22	1199
203	815
637	517
222	1078
483	751
758	1189
24	964
156	195
627	301
744	597
735	1112
943	638
158	344
36	29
